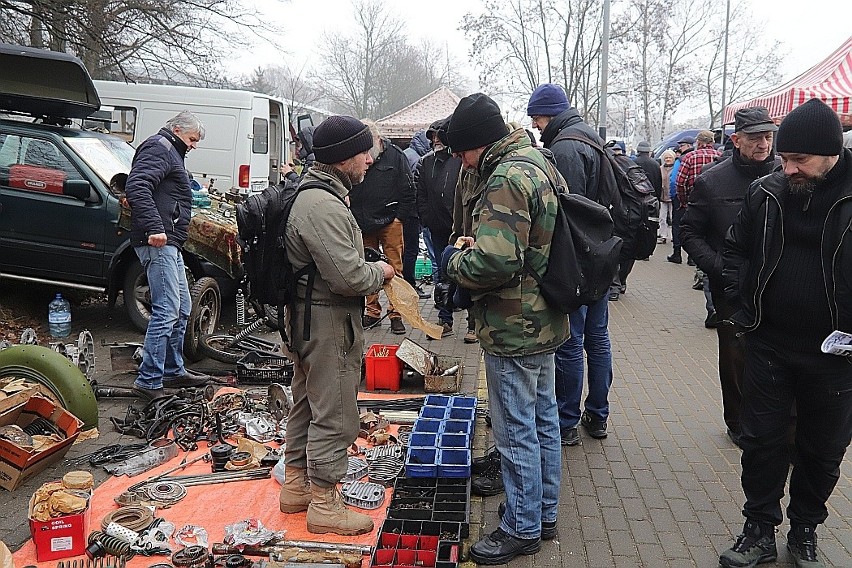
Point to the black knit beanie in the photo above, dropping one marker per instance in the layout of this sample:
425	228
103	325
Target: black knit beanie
811	128
338	138
475	123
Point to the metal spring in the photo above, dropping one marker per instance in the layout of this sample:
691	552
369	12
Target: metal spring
241	307
102	562
41	426
112	545
254	326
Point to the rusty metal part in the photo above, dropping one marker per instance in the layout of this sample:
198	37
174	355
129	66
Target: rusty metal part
301	555
190	557
346	548
280	401
239	459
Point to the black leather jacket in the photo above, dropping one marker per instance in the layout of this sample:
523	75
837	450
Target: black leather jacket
754	244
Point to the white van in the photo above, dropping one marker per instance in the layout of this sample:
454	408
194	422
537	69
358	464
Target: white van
246	138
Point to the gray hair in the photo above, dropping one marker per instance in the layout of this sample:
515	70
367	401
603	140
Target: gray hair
186	122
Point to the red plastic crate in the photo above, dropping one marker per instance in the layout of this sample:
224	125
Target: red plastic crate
383	372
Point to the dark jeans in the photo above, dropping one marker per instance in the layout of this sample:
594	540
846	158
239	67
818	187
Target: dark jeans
410	247
821	388
731	362
677	215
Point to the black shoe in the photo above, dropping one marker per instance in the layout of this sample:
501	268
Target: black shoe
369	322
690	262
397	327
488	418
698	284
623	287
189	379
735	437
548	528
613	296
500	548
596	428
675	258
754	546
148	394
490	481
711	321
802	544
570	436
479	465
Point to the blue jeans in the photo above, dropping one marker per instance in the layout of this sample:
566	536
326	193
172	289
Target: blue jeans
434	256
588	332
162	352
524	422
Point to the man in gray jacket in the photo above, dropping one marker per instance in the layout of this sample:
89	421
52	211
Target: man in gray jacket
323	422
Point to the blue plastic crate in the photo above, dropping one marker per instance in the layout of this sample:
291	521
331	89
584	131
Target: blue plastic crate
437	400
461	413
463	402
422	462
427	425
436	412
454	440
457	427
423	440
453	463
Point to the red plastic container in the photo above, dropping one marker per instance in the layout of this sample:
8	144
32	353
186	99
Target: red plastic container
383	368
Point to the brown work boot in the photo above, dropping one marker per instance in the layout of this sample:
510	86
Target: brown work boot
328	514
295	494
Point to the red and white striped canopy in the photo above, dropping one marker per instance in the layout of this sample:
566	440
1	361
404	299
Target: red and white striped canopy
830	80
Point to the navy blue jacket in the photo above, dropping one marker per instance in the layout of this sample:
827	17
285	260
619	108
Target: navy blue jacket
158	190
578	162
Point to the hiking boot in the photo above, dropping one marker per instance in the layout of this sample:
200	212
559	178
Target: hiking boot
675	258
470	336
596	428
802	544
690	262
712	320
295	493
479	465
446	330
397	327
369	322
548	528
328	514
500	547
490	482
570	436
754	546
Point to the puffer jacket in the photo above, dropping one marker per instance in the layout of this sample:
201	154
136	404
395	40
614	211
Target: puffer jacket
754	244
158	190
321	230
387	192
417	148
513	220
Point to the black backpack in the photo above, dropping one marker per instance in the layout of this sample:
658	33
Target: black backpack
261	221
625	185
583	253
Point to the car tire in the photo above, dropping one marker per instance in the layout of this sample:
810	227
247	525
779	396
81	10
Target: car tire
137	295
204	318
54	371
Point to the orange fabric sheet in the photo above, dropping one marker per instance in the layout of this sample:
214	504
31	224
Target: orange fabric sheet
214	506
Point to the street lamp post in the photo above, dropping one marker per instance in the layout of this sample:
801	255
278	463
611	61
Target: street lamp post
725	66
604	70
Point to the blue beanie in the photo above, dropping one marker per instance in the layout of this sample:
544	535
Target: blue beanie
547	100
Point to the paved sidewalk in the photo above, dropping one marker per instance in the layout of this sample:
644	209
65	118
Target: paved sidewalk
662	490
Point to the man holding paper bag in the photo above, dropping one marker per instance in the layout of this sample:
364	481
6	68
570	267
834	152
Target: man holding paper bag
788	271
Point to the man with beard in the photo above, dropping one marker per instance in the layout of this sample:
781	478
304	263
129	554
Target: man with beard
787	268
321	232
714	203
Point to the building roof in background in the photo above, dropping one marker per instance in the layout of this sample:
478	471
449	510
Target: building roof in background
438	104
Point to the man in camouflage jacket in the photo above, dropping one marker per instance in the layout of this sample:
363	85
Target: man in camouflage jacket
513	221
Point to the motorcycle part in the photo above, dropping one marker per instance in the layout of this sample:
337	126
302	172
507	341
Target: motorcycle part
16	435
355	470
101	544
384	470
29	337
158	452
221	347
280	401
204	317
123	533
363	494
376	452
134	517
65	381
190	557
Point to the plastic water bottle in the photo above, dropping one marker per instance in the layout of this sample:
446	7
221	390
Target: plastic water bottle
59	317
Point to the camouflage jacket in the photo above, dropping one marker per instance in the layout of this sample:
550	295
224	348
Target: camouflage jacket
513	219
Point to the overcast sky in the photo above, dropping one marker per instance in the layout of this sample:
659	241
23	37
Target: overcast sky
808	31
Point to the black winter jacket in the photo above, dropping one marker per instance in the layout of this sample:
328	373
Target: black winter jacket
714	202
387	192
652	170
754	245
578	162
435	180
158	190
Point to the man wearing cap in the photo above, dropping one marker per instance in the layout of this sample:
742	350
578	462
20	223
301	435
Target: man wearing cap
714	202
324	422
787	269
684	148
514	216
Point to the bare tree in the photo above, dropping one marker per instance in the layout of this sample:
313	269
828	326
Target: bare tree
154	39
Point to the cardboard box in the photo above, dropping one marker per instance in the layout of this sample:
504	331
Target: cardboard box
17	463
61	537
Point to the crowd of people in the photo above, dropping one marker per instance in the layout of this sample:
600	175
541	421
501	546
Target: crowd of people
767	222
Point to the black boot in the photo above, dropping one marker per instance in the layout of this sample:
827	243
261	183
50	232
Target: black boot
802	544
754	546
675	256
